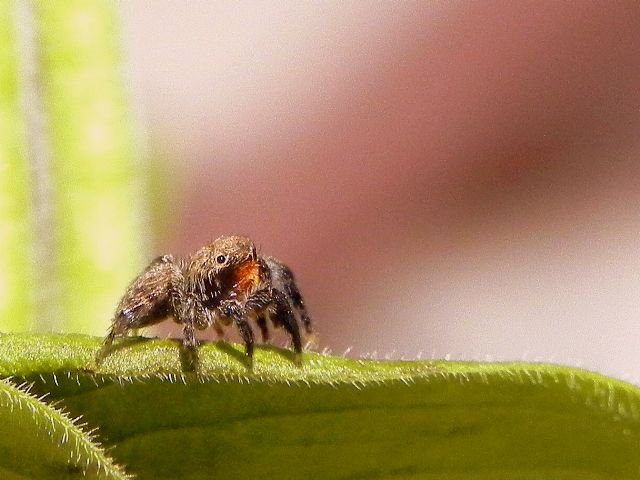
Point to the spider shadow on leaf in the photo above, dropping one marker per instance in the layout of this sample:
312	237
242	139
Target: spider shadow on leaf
239	355
126	342
287	354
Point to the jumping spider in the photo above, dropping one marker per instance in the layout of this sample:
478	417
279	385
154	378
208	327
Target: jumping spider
222	283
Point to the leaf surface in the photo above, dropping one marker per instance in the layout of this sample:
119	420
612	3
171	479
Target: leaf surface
335	417
39	441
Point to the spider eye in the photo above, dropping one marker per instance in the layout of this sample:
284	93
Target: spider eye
221	259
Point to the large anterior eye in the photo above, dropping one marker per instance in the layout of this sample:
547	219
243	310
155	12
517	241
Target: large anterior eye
221	259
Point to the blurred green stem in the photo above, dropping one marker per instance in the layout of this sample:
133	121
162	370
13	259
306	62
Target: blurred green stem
96	187
16	214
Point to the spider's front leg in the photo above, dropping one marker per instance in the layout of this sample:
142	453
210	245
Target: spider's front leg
261	320
276	303
153	296
285	316
232	309
296	298
257	305
284	280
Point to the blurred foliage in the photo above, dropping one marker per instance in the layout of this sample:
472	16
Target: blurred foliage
81	147
332	417
95	180
16	213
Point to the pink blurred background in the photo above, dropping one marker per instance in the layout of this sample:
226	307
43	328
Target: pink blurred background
445	178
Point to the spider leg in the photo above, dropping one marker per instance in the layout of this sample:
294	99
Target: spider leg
190	345
284	315
237	313
189	340
219	330
272	298
257	304
128	322
284	280
264	330
192	314
294	294
149	299
247	335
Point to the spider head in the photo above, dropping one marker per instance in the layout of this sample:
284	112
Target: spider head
231	251
223	254
213	269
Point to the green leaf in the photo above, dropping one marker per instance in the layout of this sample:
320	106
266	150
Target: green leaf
38	441
335	417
